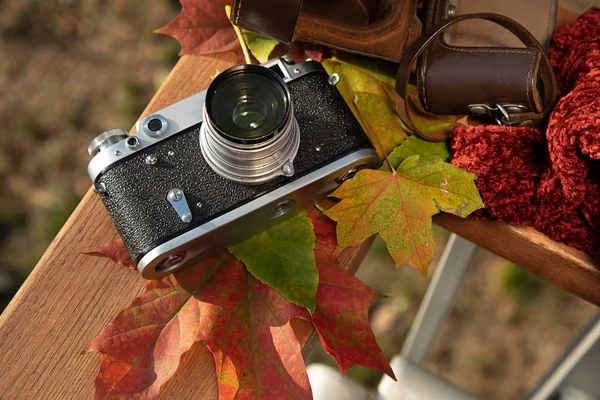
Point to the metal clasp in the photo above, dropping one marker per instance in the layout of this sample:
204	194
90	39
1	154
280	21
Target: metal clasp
177	199
501	113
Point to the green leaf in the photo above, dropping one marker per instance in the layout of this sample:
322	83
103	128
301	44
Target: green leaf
399	206
283	258
368	88
427	122
415	146
260	46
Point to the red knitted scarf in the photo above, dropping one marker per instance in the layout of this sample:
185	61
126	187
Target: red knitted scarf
549	180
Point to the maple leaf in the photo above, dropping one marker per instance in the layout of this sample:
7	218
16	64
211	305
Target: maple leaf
243	322
341	316
202	27
261	47
368	87
399	205
414	145
283	258
300	51
116	251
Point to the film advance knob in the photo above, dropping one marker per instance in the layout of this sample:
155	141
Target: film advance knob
106	139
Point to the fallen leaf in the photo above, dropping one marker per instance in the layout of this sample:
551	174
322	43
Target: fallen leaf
399	207
300	51
116	251
414	145
368	87
244	323
202	27
283	258
427	122
261	47
341	317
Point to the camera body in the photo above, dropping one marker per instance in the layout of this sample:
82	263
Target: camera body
171	201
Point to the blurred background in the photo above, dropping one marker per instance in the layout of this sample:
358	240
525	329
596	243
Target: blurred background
70	69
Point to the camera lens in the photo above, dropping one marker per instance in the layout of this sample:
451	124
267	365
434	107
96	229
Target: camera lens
249	134
247	105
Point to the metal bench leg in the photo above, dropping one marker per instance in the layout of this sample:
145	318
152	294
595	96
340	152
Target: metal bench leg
439	299
576	375
414	382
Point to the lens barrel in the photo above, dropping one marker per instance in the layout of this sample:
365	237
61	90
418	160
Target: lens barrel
249	131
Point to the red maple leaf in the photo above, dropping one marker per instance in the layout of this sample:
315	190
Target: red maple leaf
300	51
341	317
202	27
244	323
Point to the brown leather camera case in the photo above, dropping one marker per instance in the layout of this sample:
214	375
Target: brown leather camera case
375	28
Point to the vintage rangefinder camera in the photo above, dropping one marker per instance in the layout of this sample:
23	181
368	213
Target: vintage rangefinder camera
262	143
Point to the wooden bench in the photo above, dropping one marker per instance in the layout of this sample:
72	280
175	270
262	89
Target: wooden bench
70	297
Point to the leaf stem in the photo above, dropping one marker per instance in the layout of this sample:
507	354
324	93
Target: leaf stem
320	208
240	37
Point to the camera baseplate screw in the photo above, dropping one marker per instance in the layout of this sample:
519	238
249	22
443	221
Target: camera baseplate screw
186	217
99	188
151	159
333	79
288	169
175	195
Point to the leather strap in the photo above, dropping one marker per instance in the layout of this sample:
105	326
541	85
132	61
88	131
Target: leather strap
273	18
545	73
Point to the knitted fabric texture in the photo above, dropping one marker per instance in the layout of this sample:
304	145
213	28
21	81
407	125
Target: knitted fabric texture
549	180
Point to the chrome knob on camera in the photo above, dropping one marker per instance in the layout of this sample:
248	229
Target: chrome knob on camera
106	139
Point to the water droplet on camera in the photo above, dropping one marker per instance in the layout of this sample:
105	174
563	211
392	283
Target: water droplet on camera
151	159
117	153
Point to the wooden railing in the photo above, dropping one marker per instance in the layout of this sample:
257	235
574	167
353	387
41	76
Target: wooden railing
70	297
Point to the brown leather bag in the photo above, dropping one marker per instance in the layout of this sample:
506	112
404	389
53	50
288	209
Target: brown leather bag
469	65
375	28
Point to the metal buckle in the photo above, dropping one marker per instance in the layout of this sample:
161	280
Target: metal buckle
501	113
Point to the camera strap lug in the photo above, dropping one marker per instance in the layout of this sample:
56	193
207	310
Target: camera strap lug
177	199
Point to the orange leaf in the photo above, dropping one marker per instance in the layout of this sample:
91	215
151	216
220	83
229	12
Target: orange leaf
116	251
202	27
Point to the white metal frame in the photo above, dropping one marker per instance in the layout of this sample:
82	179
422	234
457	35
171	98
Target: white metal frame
576	375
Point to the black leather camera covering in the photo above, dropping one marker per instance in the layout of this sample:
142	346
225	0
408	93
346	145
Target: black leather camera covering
136	192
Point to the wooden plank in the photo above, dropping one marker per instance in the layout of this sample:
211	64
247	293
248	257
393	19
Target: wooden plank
70	297
564	266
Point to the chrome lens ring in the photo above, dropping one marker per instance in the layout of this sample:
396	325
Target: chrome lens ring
250	164
249	158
